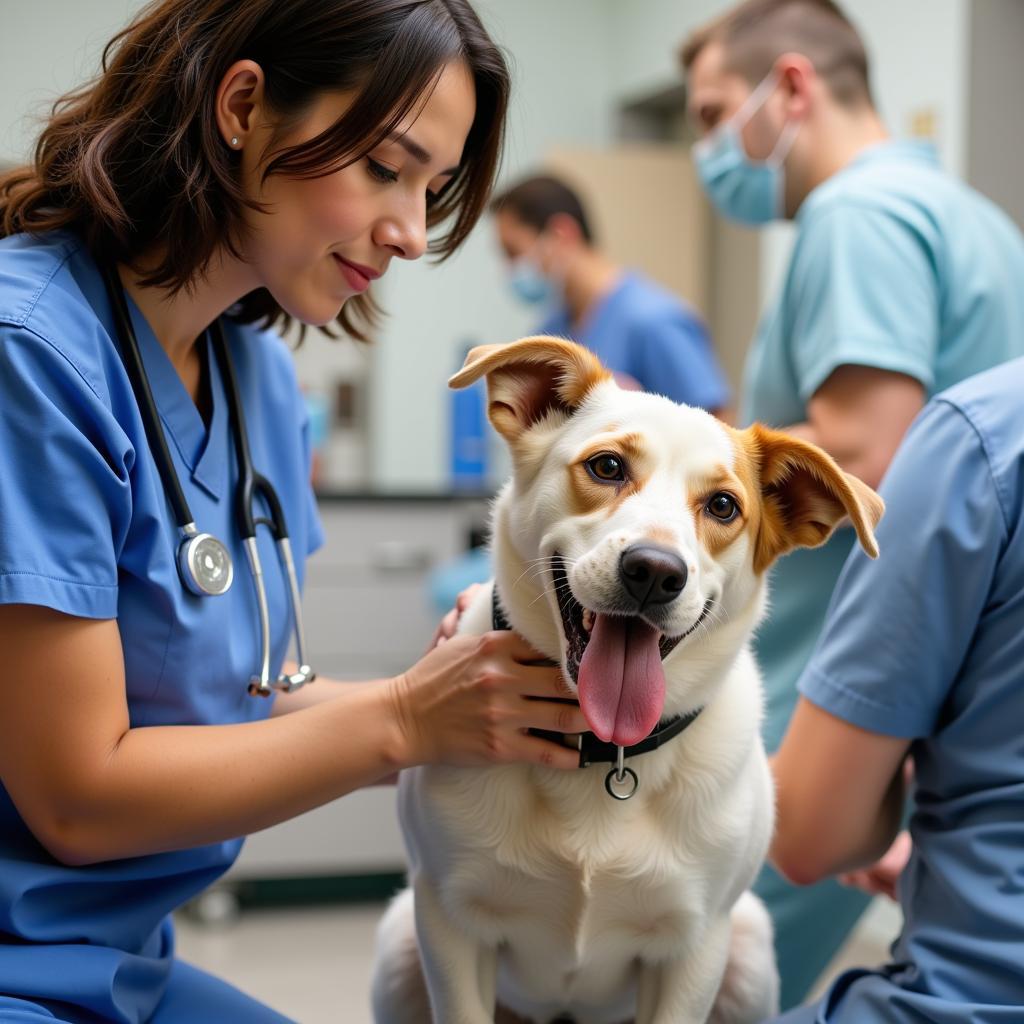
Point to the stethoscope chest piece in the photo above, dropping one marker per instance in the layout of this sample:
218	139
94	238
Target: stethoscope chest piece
205	565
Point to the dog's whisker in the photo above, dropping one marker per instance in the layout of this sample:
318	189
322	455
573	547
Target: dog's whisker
538	567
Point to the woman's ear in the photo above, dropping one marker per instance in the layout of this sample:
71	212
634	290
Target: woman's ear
239	96
804	496
530	378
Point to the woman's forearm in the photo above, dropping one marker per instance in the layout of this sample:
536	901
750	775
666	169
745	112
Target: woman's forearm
91	787
169	787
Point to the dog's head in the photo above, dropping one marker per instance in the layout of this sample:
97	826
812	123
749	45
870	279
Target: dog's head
647	525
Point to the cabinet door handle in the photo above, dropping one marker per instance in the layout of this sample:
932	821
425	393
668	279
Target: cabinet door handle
400	556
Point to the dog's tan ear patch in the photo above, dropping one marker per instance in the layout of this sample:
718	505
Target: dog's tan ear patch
527	379
804	496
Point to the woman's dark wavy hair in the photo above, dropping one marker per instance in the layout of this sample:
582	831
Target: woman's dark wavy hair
134	158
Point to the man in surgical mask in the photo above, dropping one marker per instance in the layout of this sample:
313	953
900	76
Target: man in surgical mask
646	335
902	281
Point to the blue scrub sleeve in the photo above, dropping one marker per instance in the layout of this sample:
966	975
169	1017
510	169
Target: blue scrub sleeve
863	293
65	497
674	357
898	628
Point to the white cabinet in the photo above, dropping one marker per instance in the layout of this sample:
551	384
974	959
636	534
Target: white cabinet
367	615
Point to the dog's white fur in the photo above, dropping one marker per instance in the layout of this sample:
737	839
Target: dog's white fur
531	887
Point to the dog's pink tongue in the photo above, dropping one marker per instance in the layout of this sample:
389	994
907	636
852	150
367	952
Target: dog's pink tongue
621	681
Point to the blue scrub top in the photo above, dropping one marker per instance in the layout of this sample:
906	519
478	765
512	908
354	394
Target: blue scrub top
895	265
927	643
85	528
641	329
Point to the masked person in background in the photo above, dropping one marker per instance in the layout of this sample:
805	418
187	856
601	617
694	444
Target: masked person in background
902	282
646	335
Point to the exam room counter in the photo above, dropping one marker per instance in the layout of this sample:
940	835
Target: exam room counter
368	615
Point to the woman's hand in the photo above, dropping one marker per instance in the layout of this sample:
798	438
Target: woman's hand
448	625
471	699
882	876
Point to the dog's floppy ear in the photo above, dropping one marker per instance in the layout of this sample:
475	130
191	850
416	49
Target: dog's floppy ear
528	378
804	496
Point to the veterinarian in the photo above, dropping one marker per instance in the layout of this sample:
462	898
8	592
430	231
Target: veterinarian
649	337
233	162
902	281
923	653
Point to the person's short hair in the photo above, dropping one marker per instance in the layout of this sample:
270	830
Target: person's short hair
134	159
536	200
754	34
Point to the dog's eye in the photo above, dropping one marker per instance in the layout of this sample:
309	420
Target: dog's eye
606	468
723	506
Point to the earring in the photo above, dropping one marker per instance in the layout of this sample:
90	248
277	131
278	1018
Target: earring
234	140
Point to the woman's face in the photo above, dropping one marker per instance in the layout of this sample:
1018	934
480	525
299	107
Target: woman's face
322	240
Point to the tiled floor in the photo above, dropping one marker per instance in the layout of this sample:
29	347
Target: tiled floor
314	965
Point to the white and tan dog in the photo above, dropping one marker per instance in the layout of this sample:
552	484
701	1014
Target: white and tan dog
630	546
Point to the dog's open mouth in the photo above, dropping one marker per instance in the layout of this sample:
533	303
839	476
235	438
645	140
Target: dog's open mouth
616	663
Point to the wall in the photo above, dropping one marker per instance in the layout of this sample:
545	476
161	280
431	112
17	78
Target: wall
46	49
995	145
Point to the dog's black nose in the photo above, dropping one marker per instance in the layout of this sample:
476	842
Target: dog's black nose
651	574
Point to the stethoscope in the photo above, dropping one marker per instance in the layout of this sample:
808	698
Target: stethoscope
204	562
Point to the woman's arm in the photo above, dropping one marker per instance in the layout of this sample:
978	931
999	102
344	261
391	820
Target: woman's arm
839	795
92	788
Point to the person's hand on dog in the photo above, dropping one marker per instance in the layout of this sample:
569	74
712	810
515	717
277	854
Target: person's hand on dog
450	623
470	700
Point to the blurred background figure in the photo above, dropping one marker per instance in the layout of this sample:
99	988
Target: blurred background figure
650	338
902	281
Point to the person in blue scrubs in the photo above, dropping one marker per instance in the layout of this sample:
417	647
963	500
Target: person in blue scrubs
902	281
254	164
650	338
923	654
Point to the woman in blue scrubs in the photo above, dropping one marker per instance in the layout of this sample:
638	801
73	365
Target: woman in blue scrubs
247	163
923	653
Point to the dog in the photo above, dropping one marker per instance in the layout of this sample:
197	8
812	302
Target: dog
631	547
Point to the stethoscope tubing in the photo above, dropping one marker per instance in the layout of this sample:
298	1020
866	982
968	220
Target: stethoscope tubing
251	484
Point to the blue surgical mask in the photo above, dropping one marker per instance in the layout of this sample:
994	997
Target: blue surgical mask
745	190
529	283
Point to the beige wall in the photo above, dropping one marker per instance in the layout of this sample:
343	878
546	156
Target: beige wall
995	142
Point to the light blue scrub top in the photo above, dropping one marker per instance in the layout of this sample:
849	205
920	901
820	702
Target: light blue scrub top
896	265
927	643
85	528
642	329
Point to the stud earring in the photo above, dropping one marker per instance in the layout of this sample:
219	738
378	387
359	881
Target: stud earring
234	140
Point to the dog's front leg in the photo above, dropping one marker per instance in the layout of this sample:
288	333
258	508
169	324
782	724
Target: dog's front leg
461	974
683	991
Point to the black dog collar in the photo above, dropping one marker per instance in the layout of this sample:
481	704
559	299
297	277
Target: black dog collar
593	750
